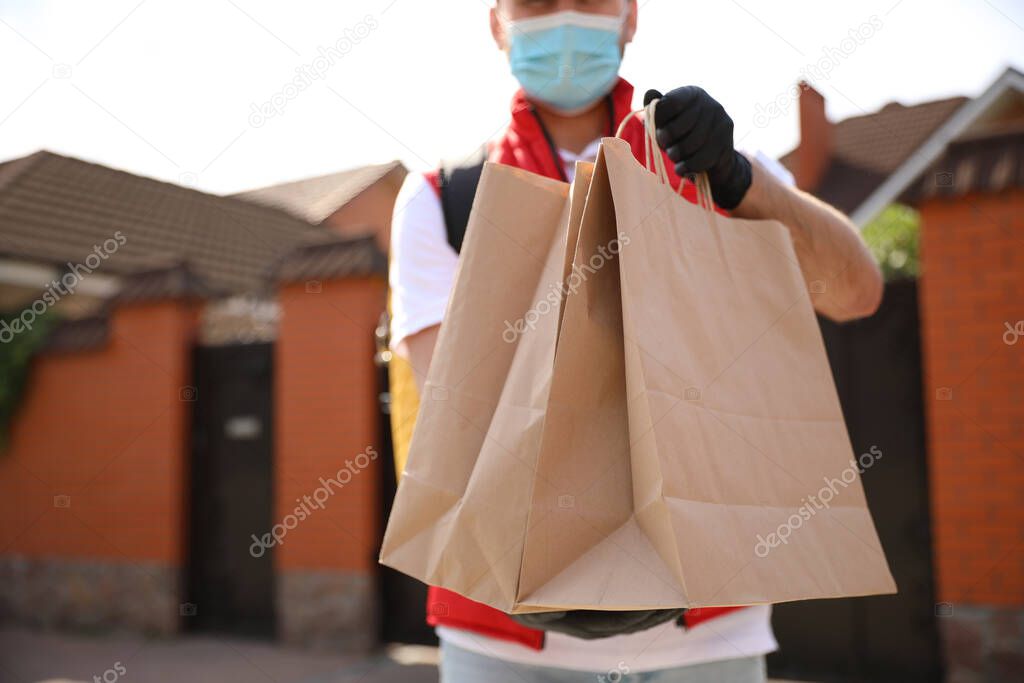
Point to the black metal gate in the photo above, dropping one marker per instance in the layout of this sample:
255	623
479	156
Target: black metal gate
877	367
230	583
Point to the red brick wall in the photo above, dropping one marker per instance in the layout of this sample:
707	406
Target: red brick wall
326	412
972	285
106	429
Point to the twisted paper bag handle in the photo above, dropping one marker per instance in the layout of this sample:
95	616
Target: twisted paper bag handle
654	160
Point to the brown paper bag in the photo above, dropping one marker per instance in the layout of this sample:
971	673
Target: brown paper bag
743	484
734	420
461	509
668	439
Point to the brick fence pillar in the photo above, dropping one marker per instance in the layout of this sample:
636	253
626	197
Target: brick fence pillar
326	462
972	308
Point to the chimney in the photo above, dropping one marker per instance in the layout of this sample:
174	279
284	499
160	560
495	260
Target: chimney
815	149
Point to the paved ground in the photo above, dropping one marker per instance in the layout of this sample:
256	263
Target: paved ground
28	656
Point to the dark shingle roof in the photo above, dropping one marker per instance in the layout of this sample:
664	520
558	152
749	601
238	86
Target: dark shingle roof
315	199
79	334
173	281
342	258
868	149
983	163
56	209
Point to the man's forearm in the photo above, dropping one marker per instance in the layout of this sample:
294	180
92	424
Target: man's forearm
844	281
418	349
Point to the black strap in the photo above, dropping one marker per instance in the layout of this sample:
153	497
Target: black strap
555	156
457	184
611	116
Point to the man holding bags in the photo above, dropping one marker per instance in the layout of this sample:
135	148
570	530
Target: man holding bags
566	55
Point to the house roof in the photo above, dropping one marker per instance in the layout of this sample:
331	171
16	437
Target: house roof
56	209
886	156
979	115
315	199
867	149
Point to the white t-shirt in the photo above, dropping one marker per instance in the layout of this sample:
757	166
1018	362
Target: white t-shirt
743	633
422	272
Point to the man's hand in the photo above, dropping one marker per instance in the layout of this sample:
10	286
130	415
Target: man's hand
592	624
696	133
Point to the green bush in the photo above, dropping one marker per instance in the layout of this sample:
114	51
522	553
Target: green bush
894	239
15	360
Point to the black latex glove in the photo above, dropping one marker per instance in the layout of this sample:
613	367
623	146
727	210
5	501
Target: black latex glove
592	624
696	133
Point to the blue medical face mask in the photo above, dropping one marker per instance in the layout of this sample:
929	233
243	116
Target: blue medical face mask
567	60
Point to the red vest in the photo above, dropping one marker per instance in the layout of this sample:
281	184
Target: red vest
525	146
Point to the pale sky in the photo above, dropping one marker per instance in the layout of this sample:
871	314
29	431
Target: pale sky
167	88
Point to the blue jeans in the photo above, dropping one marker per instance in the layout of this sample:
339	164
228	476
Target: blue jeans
462	666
